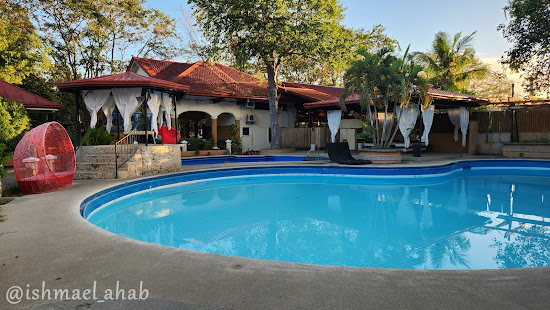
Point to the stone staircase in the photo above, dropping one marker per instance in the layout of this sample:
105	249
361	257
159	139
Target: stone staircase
98	162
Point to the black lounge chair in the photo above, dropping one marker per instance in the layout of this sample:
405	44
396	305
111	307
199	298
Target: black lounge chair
339	153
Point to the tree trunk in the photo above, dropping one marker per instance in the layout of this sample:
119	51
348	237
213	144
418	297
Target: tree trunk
273	105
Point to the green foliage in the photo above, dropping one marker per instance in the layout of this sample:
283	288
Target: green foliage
367	132
13	121
269	31
236	142
89	38
379	79
492	85
3	158
451	63
195	144
97	136
541	140
21	50
330	67
529	32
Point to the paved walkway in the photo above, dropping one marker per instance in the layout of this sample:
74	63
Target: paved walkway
45	240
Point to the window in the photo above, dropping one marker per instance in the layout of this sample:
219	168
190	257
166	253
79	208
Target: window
246	131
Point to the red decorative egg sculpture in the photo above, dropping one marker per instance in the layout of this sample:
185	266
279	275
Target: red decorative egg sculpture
44	160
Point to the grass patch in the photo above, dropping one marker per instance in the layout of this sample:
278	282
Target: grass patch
541	140
12	191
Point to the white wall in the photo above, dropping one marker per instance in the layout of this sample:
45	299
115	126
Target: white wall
258	138
350	123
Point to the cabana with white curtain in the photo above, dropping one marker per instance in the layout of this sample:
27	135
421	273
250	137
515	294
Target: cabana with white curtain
458	108
126	92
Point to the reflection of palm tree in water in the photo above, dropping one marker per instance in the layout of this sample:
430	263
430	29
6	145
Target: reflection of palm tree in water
455	248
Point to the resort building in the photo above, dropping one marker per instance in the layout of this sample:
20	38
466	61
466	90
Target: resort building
37	107
223	96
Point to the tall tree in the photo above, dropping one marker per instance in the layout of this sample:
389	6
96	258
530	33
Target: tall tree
21	52
529	32
92	37
272	31
451	62
492	85
329	69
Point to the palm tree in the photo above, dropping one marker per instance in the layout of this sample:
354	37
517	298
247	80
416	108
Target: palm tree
379	79
451	62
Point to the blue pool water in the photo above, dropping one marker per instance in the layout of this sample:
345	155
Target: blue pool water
244	159
468	215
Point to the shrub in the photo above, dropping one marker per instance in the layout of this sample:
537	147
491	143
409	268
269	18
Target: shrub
97	136
195	144
13	121
236	143
541	140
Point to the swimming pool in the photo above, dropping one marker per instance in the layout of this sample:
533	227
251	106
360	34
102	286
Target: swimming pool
244	159
465	215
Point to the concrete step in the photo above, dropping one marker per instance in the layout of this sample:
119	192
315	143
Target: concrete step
93	175
99	149
100	158
95	166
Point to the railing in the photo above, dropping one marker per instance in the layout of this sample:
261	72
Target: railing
125	149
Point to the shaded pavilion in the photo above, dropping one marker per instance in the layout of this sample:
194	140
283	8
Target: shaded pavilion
435	99
126	80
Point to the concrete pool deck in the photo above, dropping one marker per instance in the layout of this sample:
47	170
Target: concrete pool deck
44	238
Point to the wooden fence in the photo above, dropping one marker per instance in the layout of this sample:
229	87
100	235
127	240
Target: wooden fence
302	138
535	120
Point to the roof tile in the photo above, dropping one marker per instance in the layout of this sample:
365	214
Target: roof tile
28	99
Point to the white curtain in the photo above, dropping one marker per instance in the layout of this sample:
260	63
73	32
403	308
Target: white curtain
407	121
167	105
108	109
94	100
427	119
464	120
154	105
160	116
126	101
427	219
454	116
334	117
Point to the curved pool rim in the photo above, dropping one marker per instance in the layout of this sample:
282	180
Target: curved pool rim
98	199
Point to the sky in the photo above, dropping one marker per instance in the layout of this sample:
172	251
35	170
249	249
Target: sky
417	22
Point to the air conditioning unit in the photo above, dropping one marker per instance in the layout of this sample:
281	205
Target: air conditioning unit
250	119
250	105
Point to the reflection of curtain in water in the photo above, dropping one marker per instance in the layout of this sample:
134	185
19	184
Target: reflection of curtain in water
405	211
458	203
334	203
463	199
427	220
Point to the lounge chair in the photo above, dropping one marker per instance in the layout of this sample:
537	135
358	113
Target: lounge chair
339	153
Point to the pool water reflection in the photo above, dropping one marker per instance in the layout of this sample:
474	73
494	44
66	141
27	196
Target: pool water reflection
468	219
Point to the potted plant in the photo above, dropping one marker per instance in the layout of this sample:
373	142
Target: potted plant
382	82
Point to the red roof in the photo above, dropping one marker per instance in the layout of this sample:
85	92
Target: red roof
333	91
126	79
206	78
434	92
308	93
28	99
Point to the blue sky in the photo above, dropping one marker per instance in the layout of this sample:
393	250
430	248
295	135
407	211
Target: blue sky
416	22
